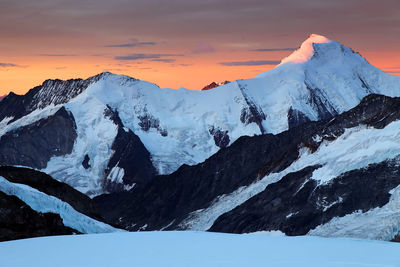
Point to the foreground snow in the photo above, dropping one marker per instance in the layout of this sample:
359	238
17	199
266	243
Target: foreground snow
196	249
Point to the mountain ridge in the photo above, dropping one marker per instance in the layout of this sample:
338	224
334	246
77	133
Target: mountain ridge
243	187
182	126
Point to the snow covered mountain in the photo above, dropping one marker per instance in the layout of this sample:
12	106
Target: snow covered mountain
336	177
116	133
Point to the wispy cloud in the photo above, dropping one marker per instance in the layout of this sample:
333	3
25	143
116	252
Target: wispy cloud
185	65
202	48
57	55
7	65
10	65
100	55
146	56
250	63
393	68
392	72
133	43
273	49
166	60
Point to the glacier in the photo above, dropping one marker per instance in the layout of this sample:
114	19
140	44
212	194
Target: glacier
43	203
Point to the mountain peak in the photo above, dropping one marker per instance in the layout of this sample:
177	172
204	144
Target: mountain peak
306	50
213	85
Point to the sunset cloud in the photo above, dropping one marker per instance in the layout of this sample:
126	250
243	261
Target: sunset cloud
165	60
146	56
203	47
7	65
272	49
133	43
57	55
10	65
251	63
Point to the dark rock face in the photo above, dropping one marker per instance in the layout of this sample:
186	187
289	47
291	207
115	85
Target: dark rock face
172	197
319	101
221	138
296	118
33	145
213	85
129	154
85	162
396	238
50	92
297	204
147	121
209	86
364	85
252	113
49	186
18	220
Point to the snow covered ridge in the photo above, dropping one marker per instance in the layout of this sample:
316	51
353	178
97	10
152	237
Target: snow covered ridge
373	152
182	249
381	223
44	203
322	78
315	176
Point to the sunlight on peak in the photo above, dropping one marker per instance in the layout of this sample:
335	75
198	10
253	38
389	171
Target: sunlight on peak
306	50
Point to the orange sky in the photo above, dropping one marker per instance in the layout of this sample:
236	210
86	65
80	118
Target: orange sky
181	44
194	73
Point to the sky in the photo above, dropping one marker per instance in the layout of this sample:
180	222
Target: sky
182	43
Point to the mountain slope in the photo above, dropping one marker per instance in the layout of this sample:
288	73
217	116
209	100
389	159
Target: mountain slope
292	182
33	204
46	184
170	128
18	220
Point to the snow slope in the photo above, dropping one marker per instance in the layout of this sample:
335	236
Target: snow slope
42	202
381	223
354	149
34	116
96	134
320	79
185	249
